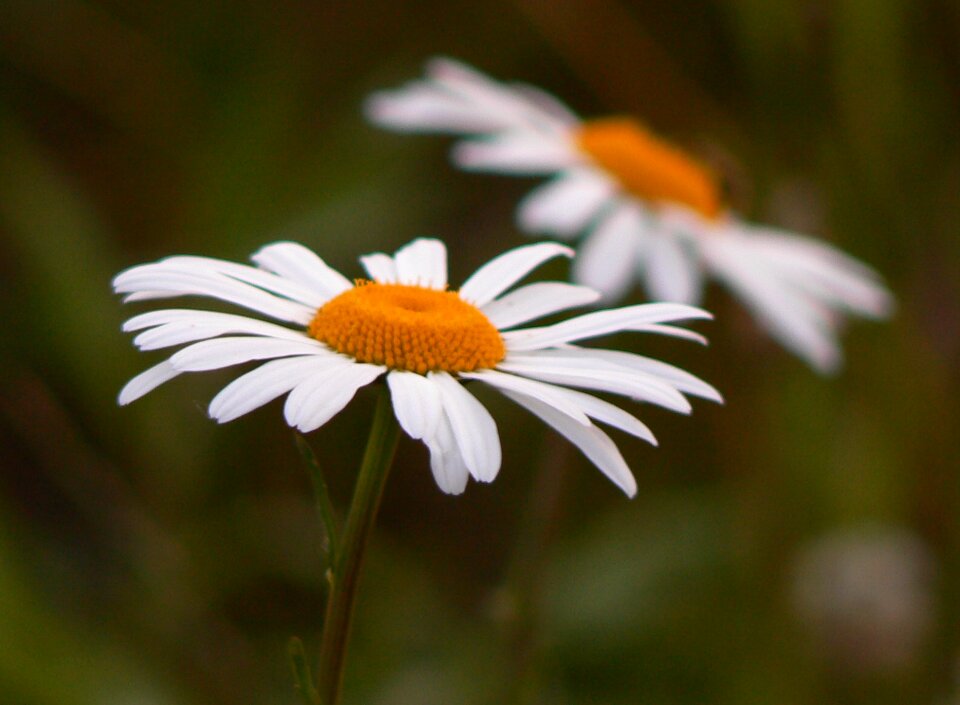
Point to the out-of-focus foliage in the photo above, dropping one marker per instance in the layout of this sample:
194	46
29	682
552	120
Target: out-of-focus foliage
149	556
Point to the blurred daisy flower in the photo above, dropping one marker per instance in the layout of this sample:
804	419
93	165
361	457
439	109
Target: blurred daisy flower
651	211
403	323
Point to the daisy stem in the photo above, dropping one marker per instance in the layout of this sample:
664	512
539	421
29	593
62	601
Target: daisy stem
377	459
522	591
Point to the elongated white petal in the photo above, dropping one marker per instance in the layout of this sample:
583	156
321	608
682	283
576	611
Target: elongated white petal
319	398
455	98
803	247
591	441
300	264
672	270
820	270
446	463
515	108
158	318
473	428
157	282
281	286
416	403
422	263
608	257
591	325
422	107
535	301
610	414
145	295
573	403
547	393
549	104
146	382
296	407
800	323
502	272
672	331
596	374
208	324
564	206
681	380
264	384
517	152
380	267
224	352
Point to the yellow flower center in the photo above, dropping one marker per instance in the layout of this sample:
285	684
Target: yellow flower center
408	328
648	167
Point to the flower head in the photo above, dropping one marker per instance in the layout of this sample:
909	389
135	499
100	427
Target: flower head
650	211
403	323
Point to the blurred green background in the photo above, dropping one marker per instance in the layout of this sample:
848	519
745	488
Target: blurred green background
796	546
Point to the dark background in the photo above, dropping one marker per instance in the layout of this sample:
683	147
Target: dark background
797	546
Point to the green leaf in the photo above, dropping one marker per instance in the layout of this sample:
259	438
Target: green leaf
322	497
303	681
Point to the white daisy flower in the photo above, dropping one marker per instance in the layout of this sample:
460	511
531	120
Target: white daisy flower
336	336
650	210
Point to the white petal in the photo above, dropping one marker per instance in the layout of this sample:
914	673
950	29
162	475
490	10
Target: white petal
297	406
547	393
156	282
207	324
596	374
593	442
144	295
422	107
264	384
503	271
607	259
449	470
158	318
535	301
548	103
672	331
380	267
672	270
679	379
608	413
307	295
798	322
146	382
416	403
576	404
422	263
473	428
224	352
565	206
590	325
299	264
823	271
458	99
527	153
515	108
316	400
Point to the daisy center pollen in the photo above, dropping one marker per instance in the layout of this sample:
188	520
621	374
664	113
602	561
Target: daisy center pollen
649	167
408	328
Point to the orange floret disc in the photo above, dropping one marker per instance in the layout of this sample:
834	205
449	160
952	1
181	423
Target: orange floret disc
408	328
648	167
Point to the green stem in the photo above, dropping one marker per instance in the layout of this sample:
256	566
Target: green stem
521	594
377	459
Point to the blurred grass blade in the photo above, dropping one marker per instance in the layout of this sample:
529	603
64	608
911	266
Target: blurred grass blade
322	498
301	672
